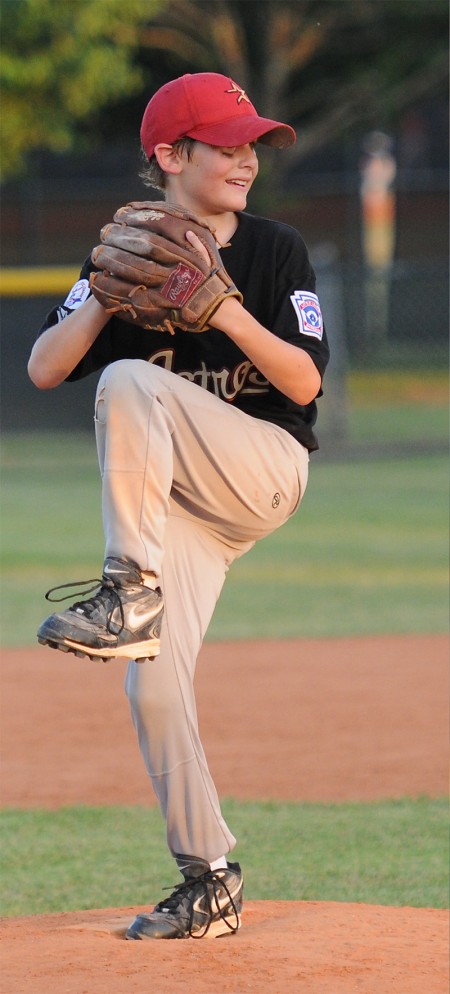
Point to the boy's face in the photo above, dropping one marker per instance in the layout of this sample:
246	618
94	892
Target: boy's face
216	180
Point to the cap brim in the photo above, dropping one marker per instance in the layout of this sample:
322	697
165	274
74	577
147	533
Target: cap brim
242	130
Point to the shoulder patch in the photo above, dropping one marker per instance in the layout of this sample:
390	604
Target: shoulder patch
78	294
307	308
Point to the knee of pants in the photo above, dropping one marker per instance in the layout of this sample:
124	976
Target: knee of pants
127	385
117	375
123	373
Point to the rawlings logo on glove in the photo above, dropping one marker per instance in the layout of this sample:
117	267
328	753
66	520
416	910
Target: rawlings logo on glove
181	284
150	275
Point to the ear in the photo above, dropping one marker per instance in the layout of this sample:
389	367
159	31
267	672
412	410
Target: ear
168	158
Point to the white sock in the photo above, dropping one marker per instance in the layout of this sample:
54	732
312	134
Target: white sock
149	580
219	864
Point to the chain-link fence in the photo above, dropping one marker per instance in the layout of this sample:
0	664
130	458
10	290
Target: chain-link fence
386	385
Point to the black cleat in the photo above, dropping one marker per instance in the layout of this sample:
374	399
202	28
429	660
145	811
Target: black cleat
122	619
208	903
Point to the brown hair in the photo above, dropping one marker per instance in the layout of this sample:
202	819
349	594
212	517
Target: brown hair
151	172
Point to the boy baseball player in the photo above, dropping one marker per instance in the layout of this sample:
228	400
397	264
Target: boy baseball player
203	444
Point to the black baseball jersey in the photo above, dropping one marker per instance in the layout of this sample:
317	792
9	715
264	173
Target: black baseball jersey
268	262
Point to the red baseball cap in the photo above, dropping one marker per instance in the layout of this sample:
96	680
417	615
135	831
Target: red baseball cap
210	108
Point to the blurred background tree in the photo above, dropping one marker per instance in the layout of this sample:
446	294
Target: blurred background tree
326	66
61	62
74	71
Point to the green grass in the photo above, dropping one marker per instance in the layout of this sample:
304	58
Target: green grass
365	554
386	852
393	425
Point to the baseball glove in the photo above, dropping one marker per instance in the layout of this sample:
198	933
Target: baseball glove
150	275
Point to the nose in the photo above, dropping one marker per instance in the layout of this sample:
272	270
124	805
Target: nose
248	156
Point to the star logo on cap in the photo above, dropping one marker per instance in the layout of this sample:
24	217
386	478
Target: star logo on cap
240	91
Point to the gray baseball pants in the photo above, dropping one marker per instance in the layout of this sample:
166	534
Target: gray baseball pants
189	484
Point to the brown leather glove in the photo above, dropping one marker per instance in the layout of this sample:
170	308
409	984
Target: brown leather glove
150	275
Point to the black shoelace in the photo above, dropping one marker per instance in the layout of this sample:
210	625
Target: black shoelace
210	877
92	603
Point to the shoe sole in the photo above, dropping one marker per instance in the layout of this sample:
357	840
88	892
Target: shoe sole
140	650
217	930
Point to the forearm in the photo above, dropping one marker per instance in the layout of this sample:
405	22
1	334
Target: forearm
288	368
59	349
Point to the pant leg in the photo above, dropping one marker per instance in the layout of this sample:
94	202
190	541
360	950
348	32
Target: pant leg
166	445
162	698
133	433
161	437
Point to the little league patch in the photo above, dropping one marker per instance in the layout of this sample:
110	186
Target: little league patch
78	294
307	309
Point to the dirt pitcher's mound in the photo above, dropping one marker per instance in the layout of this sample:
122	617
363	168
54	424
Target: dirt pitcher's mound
284	948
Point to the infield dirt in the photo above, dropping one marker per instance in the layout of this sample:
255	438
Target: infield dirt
314	720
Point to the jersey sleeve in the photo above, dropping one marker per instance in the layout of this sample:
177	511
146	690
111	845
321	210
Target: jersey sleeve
76	296
297	315
99	353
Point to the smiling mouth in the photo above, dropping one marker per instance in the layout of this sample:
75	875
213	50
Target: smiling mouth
241	183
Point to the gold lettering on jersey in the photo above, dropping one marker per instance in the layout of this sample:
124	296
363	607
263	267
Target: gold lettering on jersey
225	383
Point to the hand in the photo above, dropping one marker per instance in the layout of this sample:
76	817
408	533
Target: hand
147	272
226	315
199	247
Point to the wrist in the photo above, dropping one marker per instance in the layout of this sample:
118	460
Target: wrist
95	310
228	315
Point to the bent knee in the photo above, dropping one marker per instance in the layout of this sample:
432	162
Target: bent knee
121	372
125	373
